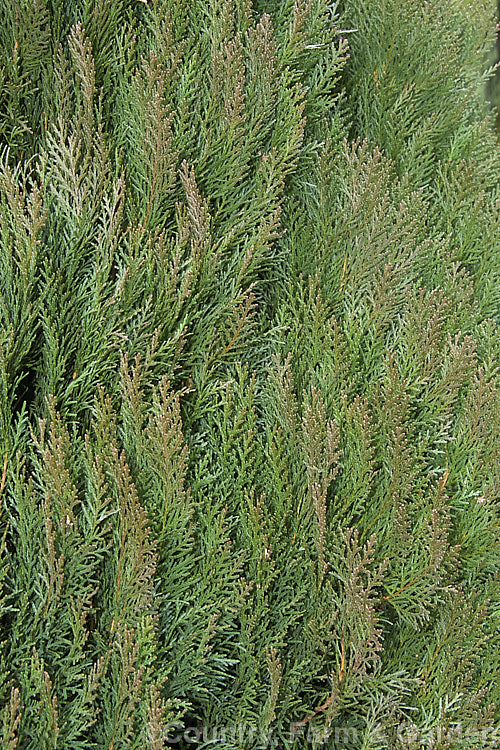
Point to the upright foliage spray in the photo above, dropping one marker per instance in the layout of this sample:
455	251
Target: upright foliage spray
249	375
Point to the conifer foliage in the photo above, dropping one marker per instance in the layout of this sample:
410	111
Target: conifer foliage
249	375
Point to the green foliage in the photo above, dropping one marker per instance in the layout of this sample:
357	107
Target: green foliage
249	375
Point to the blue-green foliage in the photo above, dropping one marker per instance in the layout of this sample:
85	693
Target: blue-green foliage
249	385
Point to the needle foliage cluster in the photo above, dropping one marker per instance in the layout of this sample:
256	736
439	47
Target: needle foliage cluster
249	375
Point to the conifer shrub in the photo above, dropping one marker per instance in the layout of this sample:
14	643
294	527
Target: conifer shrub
249	375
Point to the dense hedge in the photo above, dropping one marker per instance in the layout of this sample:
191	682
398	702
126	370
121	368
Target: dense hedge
249	384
